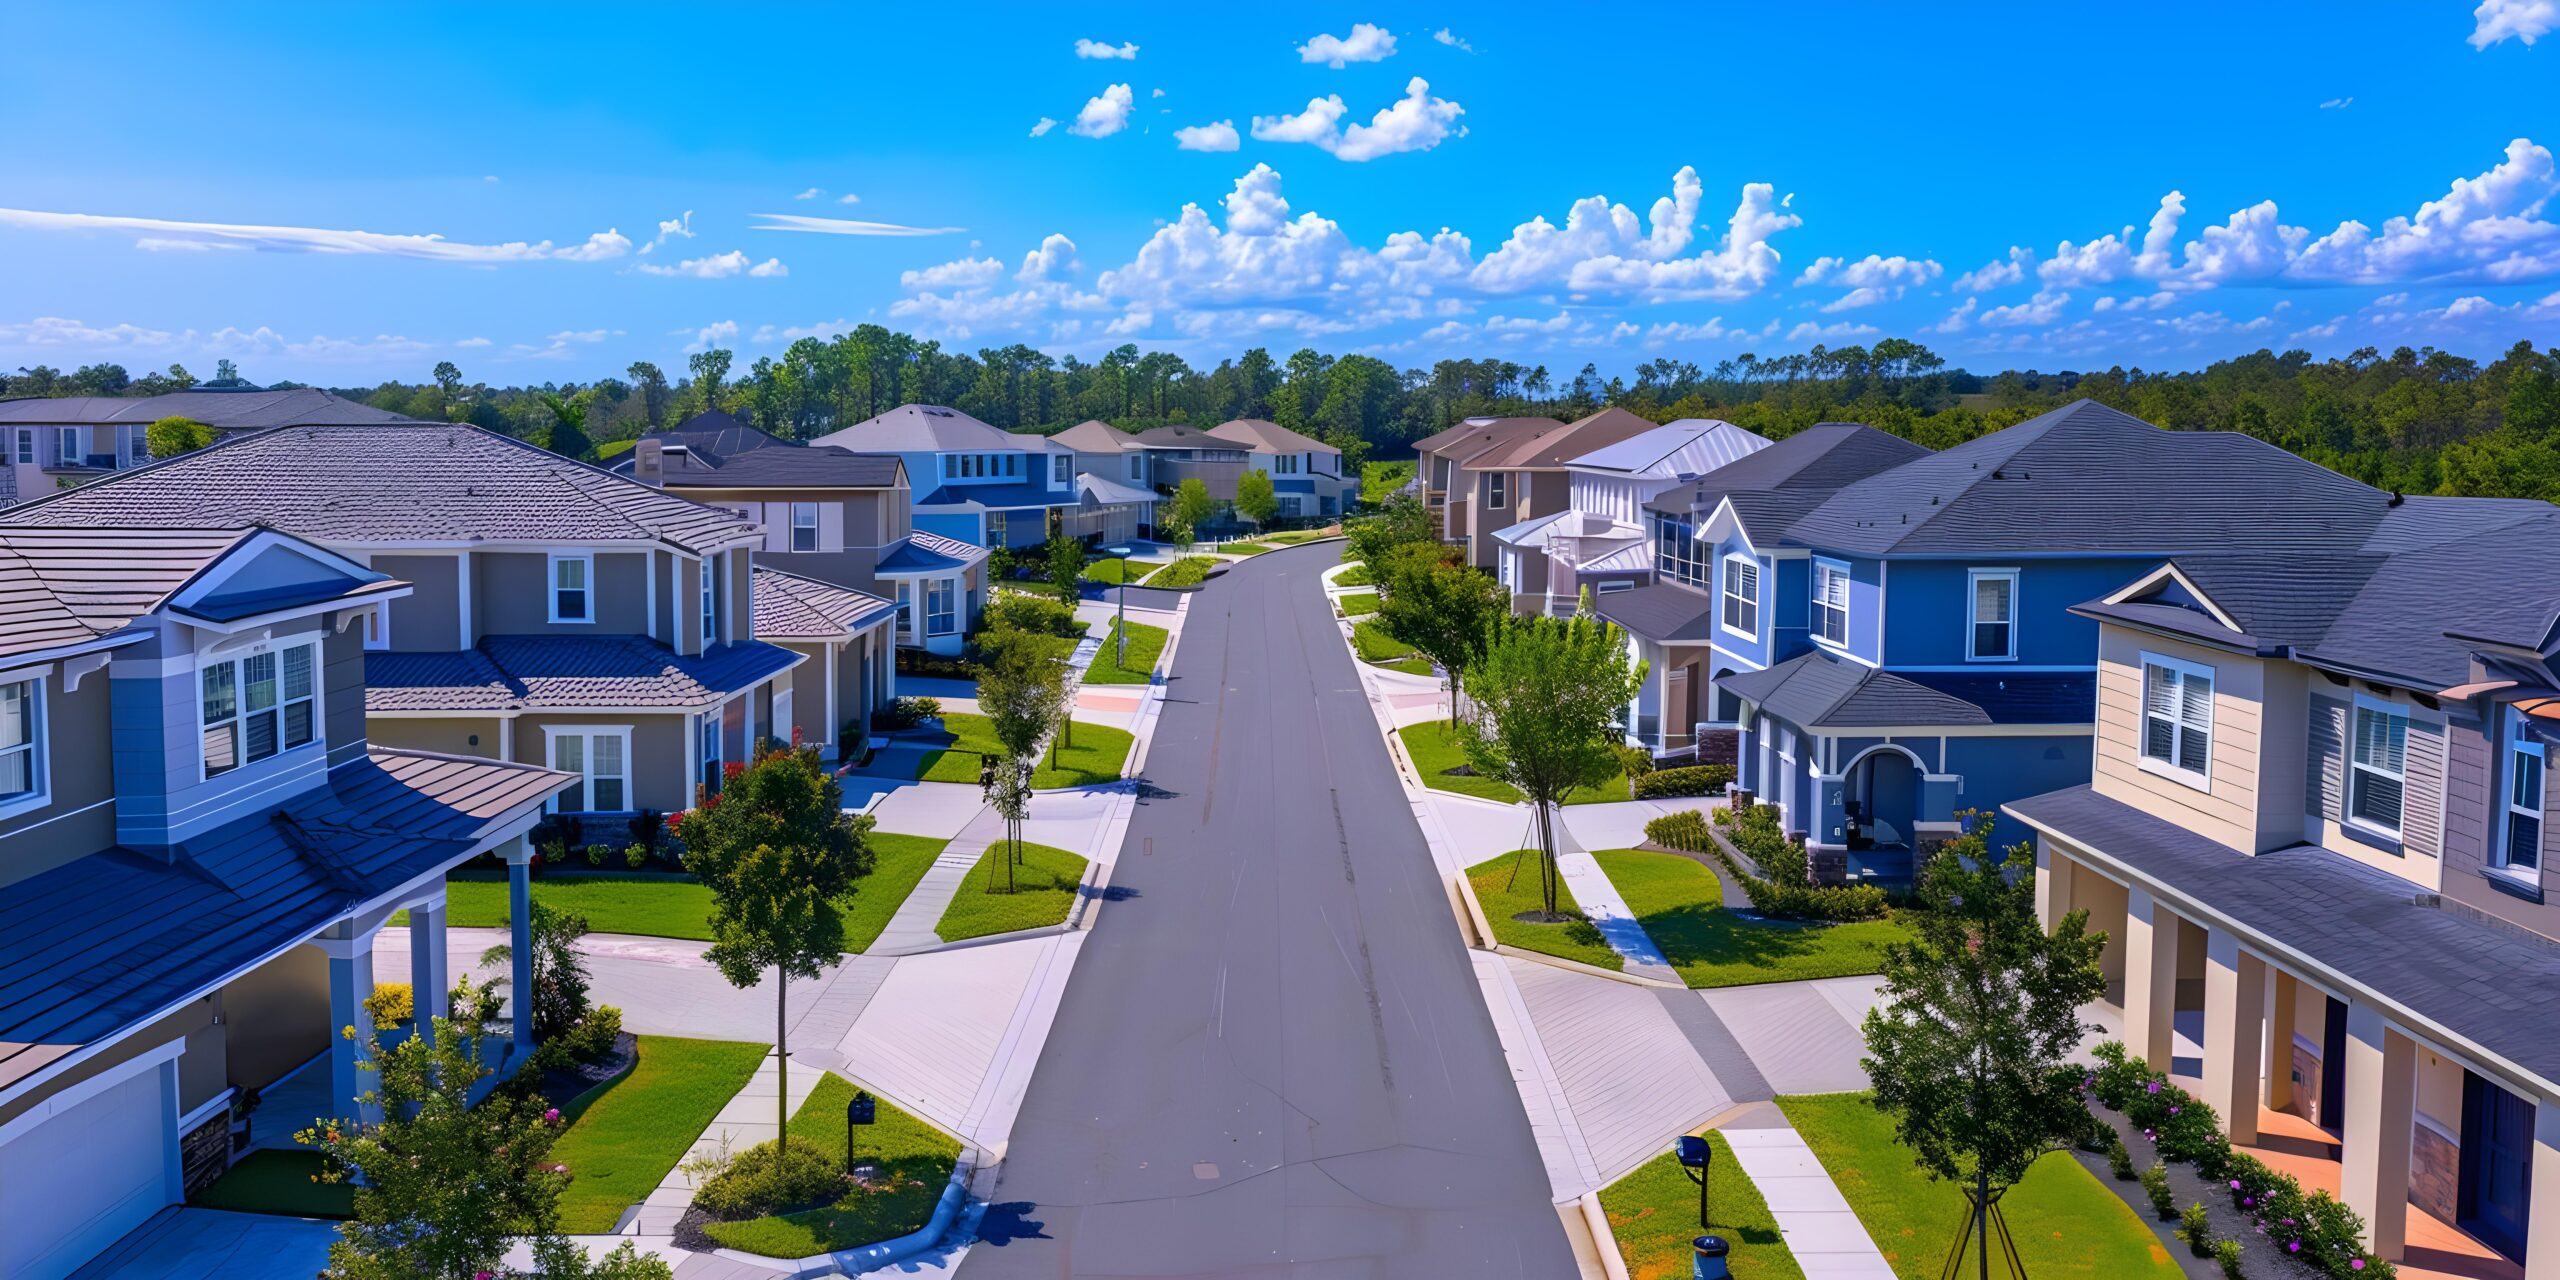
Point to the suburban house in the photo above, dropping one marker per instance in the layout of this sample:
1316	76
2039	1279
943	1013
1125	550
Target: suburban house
52	443
1598	540
1114	500
988	487
197	845
1306	473
1448	492
1523	476
2317	837
830	518
559	614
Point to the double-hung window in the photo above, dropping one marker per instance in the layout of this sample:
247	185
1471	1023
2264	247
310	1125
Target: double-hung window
710	576
1062	470
27	445
66	447
2521	850
941	606
1497	490
996	529
1992	632
1742	595
804	526
1137	466
21	742
2376	765
602	760
1830	602
258	705
2177	718
573	597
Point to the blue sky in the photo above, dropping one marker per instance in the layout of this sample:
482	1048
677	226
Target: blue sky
339	194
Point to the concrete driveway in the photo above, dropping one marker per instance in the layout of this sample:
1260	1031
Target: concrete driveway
210	1244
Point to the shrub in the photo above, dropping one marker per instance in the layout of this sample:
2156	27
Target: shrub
2197	1230
592	1038
597	852
905	713
390	1004
2227	1252
853	738
2155	1184
1633	761
1780	877
767	1178
2120	1161
1189	571
1686	829
1688	780
635	856
552	836
649	831
1040	615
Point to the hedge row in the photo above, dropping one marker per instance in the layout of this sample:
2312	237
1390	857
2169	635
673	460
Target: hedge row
1784	885
1690	780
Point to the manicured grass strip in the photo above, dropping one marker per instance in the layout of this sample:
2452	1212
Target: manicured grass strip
1146	644
915	1162
285	1182
1356	576
1243	549
1189	571
1435	749
1044	889
1358	604
1504	895
626	1134
1373	644
1294	537
1116	570
1654	1213
1095	754
2067	1225
655	905
1681	904
898	862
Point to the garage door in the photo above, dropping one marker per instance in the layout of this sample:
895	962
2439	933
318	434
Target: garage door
79	1181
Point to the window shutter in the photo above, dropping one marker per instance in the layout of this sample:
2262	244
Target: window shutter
777	525
2324	789
2422	813
830	526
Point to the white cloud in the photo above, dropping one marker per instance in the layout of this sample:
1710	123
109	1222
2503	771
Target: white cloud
157	244
967	273
719	266
562	345
1104	114
488	177
844	226
1055	259
1106	51
1869	280
60	331
1045	125
472	344
1417	122
769	269
1956	321
2043	308
1367	42
1456	42
848	198
2527	20
1217	135
1998	273
2391	300
1811	332
274	239
810	194
679	227
1714	329
1602	248
2338	104
718	333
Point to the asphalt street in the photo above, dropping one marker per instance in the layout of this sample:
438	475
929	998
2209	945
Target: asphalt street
1272	1059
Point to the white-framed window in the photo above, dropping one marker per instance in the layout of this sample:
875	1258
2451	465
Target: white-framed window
2520	845
804	526
601	757
1137	466
710	576
1607	587
66	446
2377	759
1497	490
2177	719
1831	602
1991	631
1062	470
1741	595
707	730
1286	463
941	606
22	761
996	528
573	592
27	445
1675	551
258	704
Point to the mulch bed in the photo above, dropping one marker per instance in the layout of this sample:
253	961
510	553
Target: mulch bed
2258	1255
560	1084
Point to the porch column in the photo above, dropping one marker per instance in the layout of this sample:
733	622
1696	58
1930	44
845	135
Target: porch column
2053	885
2282	1009
518	853
2381	1103
430	996
2150	978
2235	1032
2542	1214
349	946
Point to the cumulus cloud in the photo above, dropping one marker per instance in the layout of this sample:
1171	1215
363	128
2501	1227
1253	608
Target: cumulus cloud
1054	260
1044	126
679	227
2528	20
1367	42
1104	114
47	334
810	194
1417	122
1106	51
167	232
967	273
843	226
1456	42
1869	280
1999	273
2044	308
718	333
1811	332
1217	135
719	266
1956	321
1602	248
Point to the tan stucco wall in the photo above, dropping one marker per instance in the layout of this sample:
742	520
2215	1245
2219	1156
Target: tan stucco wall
2229	812
428	620
658	778
74	823
451	735
511	594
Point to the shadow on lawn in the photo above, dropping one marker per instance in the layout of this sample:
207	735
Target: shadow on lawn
1695	933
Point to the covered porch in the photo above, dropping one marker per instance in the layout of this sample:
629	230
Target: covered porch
1681	712
2343	1027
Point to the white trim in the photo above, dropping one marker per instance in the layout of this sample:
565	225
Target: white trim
72	1095
1817	607
1973	623
236	659
2500	861
2006	669
1725	593
2170	571
2366	702
462	602
649	593
584	790
39	746
2199	779
586	588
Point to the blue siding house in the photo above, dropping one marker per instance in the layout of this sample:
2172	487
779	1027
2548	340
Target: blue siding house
975	483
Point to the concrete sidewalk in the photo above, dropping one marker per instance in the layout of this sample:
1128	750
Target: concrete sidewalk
1824	1234
747	1119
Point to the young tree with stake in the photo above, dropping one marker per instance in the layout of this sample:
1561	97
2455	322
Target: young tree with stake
1444	610
1552	693
1020	688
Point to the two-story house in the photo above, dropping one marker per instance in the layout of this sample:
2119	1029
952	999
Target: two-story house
981	485
1449	492
1599	540
197	845
49	444
1115	500
1306	473
2317	837
561	615
1523	476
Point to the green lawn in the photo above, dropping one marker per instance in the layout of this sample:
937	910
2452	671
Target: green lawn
655	904
1044	890
1373	644
915	1159
1378	479
1436	750
898	862
1654	1214
2068	1225
1358	604
1356	576
1146	644
1504	895
626	1134
1189	571
1242	548
285	1182
1297	536
1681	904
1095	754
1117	570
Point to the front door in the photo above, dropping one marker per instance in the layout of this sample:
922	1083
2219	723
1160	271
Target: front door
2333	1066
1678	721
2497	1165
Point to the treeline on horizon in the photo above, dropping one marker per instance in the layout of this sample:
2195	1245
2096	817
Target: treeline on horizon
2416	421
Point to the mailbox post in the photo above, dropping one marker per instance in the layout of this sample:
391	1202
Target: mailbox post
1697	1159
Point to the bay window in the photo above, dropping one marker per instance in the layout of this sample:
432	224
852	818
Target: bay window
257	705
2177	718
2376	763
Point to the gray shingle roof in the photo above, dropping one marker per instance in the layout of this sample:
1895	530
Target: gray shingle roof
1806	467
922	552
227	410
64	586
791	607
926	428
550	673
715	450
1268	437
361	485
2491	986
1659	611
1820	692
1551	444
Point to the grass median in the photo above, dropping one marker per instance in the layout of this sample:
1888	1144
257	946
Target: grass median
1441	760
1092	754
915	1161
1654	1214
1044	891
1146	646
624	1136
1680	903
1507	886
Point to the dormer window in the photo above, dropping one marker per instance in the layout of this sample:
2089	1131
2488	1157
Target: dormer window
1992	633
256	706
572	588
2177	719
22	779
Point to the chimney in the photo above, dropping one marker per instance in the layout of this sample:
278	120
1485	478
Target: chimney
648	462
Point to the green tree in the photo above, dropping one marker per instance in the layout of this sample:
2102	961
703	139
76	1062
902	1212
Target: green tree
1191	504
653	388
170	437
568	434
1400	521
1066	569
779	854
1444	610
1254	499
1021	691
1552	696
448	376
1968	1048
710	369
444	1187
559	971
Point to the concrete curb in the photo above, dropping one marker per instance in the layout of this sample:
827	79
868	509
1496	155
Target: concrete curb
870	1257
1587	970
1612	1264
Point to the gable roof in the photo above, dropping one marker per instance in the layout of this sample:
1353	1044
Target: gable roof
1093	436
1771	488
713	450
1479	433
1689	447
921	553
792	607
1269	437
432	482
223	410
557	673
64	587
1551	444
927	428
1177	435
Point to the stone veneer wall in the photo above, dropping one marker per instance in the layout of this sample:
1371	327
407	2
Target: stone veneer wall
2435	1171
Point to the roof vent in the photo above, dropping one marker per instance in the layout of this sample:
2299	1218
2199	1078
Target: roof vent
1997	476
2395	499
